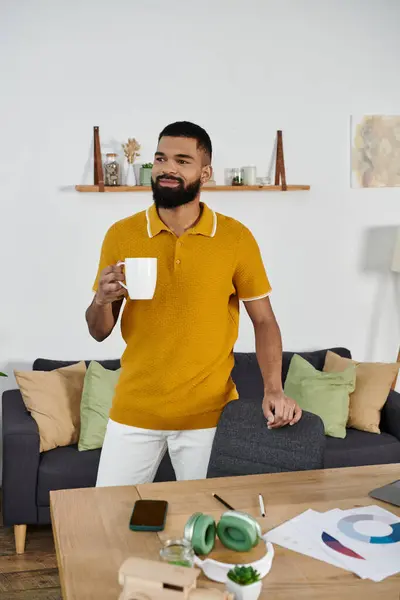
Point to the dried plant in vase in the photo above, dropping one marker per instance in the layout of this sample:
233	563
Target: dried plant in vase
131	151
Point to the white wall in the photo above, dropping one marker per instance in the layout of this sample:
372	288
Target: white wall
240	69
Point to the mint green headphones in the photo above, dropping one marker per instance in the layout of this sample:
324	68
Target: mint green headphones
237	531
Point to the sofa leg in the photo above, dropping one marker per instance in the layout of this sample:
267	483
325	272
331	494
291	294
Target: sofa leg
20	536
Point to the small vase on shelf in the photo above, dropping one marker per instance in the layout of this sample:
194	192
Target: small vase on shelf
130	177
131	151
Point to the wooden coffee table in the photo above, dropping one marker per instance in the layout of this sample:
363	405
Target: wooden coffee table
93	539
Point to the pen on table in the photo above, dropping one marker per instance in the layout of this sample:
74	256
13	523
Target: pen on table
262	507
223	502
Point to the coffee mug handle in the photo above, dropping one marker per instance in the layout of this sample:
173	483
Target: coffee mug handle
119	264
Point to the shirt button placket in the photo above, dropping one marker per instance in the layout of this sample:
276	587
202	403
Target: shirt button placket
178	254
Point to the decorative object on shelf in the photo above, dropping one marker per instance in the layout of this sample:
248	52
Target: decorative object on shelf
280	176
141	578
130	176
237	177
145	174
280	172
178	552
264	181
98	174
244	582
137	167
228	174
375	152
111	170
250	175
131	151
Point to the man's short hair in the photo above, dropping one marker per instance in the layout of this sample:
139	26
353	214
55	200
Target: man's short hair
190	130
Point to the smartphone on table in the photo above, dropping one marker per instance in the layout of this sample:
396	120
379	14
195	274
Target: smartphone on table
148	515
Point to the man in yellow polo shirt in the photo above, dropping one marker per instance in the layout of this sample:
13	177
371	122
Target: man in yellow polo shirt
176	369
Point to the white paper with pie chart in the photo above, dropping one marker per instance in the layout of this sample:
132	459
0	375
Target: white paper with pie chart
365	540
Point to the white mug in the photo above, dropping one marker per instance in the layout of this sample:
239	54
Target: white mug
140	277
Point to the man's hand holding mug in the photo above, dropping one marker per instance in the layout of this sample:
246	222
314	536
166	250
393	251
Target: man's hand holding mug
110	290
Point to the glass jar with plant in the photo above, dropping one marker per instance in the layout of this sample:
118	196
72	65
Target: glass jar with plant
244	582
237	176
145	174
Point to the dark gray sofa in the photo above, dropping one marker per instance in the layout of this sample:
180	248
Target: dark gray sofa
242	445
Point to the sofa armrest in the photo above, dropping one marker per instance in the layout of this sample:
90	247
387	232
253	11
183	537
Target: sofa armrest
390	417
20	461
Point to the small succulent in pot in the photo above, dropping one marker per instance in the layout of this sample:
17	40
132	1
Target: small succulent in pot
244	575
145	174
244	583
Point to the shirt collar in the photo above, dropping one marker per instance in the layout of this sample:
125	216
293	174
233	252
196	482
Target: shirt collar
207	224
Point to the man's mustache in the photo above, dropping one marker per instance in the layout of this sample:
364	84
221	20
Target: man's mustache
178	179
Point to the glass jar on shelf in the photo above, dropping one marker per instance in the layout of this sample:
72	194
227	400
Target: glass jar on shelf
237	177
250	175
178	552
233	176
111	170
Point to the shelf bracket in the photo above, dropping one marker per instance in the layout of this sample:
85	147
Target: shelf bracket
280	174
98	167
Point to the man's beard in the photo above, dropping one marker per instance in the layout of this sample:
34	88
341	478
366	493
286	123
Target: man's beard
165	197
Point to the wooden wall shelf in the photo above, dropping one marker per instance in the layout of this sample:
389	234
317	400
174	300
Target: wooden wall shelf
280	184
215	188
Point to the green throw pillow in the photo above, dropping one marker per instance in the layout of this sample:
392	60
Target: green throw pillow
324	394
97	396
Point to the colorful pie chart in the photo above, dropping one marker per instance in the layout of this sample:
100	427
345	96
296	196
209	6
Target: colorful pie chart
346	526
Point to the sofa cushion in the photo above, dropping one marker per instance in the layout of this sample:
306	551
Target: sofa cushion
361	448
247	375
323	394
66	468
97	397
53	399
373	383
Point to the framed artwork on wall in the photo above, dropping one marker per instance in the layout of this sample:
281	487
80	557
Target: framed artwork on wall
375	151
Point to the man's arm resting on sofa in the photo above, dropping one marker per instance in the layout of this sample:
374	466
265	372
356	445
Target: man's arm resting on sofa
390	419
20	461
279	410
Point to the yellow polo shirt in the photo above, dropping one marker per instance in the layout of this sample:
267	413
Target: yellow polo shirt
176	368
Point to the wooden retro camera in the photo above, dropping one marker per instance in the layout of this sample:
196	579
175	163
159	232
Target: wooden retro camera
151	580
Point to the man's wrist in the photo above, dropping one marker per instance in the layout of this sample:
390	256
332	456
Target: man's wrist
100	302
272	389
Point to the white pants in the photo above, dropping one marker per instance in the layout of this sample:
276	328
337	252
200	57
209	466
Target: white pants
132	455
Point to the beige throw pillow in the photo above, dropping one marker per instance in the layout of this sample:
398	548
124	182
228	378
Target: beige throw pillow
53	398
373	383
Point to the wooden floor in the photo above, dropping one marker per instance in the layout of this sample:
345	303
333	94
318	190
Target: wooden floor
29	576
